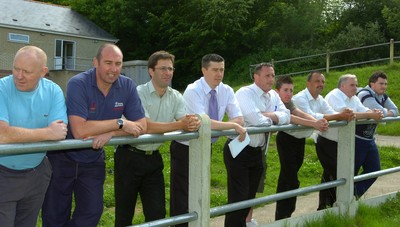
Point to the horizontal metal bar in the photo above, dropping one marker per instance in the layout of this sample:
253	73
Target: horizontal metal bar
376	174
25	148
183	218
220	210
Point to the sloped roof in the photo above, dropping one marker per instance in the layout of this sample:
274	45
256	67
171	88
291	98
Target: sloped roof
49	18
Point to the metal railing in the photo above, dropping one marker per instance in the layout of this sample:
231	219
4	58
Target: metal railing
200	161
326	59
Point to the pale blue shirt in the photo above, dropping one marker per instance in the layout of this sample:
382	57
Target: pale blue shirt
254	102
167	108
197	96
339	101
33	109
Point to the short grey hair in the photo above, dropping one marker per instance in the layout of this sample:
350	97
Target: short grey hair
345	77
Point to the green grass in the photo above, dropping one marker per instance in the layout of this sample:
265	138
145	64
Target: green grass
386	214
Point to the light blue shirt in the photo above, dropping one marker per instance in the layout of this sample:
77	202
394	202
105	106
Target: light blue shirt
33	109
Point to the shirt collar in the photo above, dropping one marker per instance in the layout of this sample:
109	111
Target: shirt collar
257	90
206	87
116	84
309	96
343	96
150	87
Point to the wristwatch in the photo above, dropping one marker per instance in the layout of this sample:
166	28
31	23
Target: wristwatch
120	122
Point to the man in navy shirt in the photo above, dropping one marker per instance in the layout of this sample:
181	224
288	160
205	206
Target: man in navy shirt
96	101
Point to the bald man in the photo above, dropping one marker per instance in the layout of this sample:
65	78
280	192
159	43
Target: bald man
32	110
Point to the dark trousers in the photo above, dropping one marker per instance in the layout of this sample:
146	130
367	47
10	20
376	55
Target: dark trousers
367	157
85	182
179	177
291	156
327	155
244	173
138	173
22	193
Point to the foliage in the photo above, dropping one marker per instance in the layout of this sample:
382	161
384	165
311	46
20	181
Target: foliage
237	29
391	14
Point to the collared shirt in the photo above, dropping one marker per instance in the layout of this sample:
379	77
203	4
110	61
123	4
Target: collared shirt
197	96
167	108
339	101
31	109
315	107
84	99
253	103
373	104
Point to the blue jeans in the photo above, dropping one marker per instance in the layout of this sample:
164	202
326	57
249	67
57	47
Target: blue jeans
85	182
367	157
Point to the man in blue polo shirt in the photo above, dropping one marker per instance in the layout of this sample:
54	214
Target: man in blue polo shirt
96	101
32	109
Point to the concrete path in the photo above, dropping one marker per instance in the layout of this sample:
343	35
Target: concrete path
308	203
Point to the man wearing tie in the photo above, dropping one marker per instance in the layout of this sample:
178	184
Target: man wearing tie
207	95
261	106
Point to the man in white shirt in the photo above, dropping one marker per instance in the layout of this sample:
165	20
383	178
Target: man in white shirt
197	99
261	106
339	98
310	101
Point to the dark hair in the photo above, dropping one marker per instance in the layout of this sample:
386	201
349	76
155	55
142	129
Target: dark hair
153	59
283	80
259	66
205	61
375	76
101	48
312	73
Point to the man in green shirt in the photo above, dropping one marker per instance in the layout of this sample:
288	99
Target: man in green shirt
139	169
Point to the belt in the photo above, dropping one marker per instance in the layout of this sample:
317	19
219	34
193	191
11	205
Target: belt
134	149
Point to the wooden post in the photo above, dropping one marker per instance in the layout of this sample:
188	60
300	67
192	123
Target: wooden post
199	174
391	54
345	169
328	56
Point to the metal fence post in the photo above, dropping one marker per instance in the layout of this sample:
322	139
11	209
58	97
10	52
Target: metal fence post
345	169
391	54
199	174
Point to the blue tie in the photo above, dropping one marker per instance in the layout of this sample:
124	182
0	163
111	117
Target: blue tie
213	110
213	106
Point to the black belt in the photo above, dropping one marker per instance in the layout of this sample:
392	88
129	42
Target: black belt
134	149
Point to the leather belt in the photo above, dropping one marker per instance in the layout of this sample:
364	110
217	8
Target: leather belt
134	149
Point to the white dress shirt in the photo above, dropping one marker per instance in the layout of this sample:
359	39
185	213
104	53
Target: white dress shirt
339	101
315	107
197	96
253	103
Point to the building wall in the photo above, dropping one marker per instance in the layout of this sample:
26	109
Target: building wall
85	48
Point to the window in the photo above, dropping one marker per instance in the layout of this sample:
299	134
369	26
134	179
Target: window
18	38
64	56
